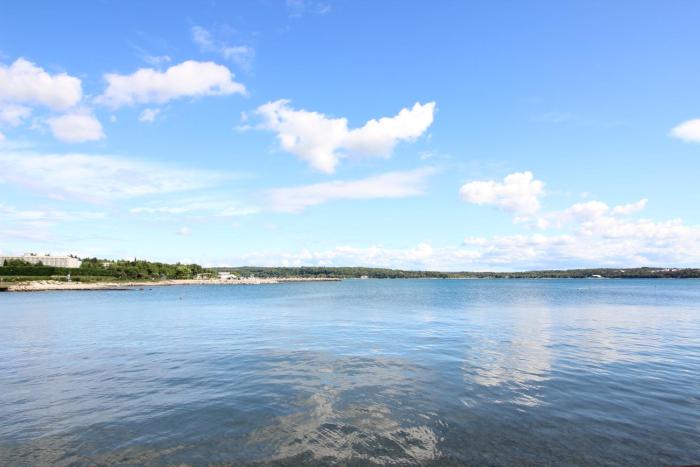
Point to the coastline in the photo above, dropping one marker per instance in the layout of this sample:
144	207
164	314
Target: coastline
51	285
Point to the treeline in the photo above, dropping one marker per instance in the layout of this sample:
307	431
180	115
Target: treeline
96	268
46	271
330	272
609	273
139	269
381	273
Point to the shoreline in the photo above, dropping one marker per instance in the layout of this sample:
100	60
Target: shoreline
51	285
54	285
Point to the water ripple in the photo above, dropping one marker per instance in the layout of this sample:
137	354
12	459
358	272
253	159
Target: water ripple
354	373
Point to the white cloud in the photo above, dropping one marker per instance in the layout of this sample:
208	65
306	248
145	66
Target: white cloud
148	115
187	79
184	231
148	57
98	178
322	141
688	131
2	136
24	85
35	215
519	193
421	256
76	127
604	241
631	207
156	60
199	206
26	233
242	55
594	232
596	219
39	225
590	233
14	115
24	82
295	199
614	243
387	185
202	37
298	8
588	210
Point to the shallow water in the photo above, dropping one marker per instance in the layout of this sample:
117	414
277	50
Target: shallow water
500	372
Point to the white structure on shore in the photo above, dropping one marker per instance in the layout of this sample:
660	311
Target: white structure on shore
46	260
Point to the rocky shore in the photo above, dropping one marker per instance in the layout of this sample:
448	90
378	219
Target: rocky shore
47	285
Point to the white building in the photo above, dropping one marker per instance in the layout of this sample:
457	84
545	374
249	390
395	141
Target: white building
225	275
46	260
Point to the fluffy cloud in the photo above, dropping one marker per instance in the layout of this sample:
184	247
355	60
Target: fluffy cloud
586	212
24	85
98	178
184	231
24	82
597	219
187	79
688	131
322	141
605	241
148	115
588	233
76	127
614	242
14	115
519	193
597	232
242	55
387	185
631	207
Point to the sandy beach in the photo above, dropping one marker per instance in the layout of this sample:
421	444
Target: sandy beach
47	285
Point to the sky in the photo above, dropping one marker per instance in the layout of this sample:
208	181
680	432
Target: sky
420	135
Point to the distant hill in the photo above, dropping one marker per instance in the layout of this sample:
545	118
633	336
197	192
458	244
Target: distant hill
381	273
102	269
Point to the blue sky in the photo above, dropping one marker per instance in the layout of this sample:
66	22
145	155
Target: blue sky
441	135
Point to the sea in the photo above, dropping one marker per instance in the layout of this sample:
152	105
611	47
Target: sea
357	372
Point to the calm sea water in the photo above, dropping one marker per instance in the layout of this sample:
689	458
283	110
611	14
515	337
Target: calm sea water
503	372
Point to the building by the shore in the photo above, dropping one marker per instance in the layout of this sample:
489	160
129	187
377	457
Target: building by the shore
46	260
225	276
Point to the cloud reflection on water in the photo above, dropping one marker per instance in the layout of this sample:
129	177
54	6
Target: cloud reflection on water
345	413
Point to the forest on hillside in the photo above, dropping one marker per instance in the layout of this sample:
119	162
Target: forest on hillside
103	269
382	273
